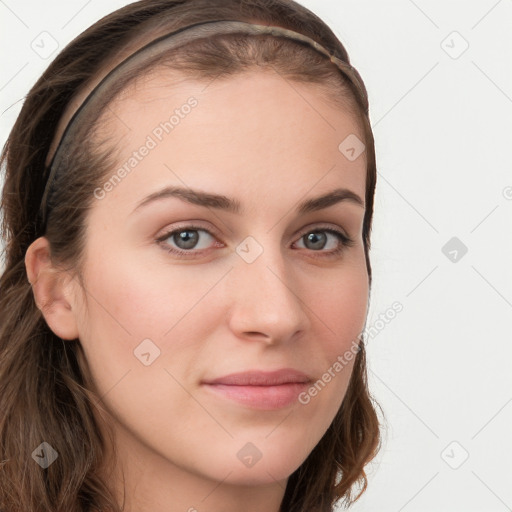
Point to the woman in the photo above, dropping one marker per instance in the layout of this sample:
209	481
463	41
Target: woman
187	209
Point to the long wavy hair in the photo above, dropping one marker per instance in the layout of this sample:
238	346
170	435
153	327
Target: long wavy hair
46	389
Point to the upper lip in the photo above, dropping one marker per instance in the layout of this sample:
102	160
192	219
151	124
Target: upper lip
262	378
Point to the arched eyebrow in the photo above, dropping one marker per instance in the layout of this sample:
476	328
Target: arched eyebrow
222	202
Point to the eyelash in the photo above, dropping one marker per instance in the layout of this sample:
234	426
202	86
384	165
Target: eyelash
345	241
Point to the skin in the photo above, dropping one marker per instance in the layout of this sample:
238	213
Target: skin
269	145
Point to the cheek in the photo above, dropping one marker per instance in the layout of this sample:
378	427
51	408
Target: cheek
143	334
144	318
340	307
341	304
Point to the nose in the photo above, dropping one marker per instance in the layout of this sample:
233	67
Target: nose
266	300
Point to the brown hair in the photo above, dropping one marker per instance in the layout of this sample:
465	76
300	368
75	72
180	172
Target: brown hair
45	382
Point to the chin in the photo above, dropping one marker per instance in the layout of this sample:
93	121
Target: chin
236	467
260	475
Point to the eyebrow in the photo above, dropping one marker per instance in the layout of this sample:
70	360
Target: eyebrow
221	202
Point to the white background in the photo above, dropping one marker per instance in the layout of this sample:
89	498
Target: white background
442	124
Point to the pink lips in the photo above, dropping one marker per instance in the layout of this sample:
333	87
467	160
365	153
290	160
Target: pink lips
259	389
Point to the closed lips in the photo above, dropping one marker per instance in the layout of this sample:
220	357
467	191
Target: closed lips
262	378
260	390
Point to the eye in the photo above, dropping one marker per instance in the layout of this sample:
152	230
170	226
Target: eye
317	239
185	239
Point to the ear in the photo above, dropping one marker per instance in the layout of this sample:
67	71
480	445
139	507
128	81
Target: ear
53	290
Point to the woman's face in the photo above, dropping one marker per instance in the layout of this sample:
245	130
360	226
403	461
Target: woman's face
258	288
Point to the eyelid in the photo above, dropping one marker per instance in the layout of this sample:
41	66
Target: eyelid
191	224
323	225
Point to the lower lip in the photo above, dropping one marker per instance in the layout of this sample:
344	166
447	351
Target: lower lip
261	397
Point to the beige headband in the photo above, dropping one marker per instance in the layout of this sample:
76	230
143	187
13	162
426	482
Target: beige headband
88	110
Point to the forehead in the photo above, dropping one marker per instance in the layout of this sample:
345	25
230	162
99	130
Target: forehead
250	132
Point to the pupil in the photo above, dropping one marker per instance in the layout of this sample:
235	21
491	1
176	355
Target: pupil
185	237
315	238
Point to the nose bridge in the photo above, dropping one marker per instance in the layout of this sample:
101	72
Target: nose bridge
266	298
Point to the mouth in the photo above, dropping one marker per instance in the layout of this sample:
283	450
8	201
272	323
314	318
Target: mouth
260	389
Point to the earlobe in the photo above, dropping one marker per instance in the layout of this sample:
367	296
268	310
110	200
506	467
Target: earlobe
52	290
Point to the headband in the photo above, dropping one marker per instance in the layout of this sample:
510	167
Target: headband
89	110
